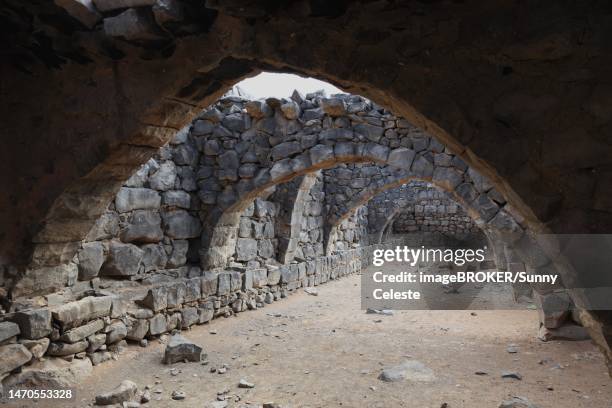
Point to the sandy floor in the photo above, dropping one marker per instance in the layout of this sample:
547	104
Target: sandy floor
323	351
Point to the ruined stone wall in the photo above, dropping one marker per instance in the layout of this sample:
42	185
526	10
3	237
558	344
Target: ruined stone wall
85	147
257	243
67	338
420	207
152	226
351	233
310	244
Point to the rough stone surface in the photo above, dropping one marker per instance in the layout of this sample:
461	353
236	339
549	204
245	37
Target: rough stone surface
91	258
125	391
180	349
13	356
89	308
51	373
122	260
8	330
33	324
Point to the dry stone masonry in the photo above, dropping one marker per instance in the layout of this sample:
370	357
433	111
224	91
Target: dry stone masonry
116	79
250	202
419	207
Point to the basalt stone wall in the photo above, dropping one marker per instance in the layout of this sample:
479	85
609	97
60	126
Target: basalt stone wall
306	215
351	233
66	339
257	243
424	208
114	87
151	226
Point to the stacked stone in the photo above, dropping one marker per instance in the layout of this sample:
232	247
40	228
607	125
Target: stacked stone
184	302
152	221
310	244
301	217
139	21
236	150
87	329
257	243
432	210
352	232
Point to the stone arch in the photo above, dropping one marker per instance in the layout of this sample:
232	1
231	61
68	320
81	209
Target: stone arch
292	219
486	212
489	93
387	225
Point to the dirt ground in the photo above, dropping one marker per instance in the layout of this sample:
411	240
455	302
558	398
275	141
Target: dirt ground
324	351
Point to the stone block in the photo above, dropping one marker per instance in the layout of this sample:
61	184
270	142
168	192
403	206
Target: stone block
157	325
156	299
247	280
79	333
176	294
73	314
82	10
291	110
274	275
129	199
193	289
209	283
51	373
245	227
285	150
135	24
154	257
205	312
165	177
38	348
116	331
59	349
422	167
370	132
91	258
288	274
8	330
143	226
189	317
320	154
179	349
124	392
447	177
46	279
481	183
553	308
138	329
281	169
105	227
185	155
246	249
96	341
33	324
180	247
122	260
333	106
265	248
224	284
109	5
377	152
13	356
176	198
401	158
235	281
179	224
